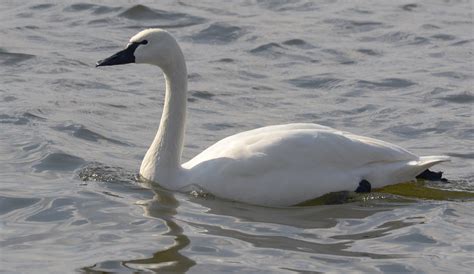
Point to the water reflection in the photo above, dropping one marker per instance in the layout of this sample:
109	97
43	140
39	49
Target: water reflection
296	229
204	229
163	206
303	217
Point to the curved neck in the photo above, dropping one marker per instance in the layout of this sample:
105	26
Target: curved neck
163	158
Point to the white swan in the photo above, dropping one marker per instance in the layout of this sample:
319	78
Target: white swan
275	166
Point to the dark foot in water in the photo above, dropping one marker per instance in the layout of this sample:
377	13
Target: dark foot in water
364	187
432	176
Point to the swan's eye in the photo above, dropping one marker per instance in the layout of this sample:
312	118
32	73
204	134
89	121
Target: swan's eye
144	42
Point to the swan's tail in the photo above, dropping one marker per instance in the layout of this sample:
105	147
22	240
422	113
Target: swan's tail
426	162
403	171
429	161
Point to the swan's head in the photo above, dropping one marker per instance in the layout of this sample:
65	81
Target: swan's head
150	46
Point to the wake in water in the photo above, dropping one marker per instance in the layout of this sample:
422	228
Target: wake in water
98	172
117	176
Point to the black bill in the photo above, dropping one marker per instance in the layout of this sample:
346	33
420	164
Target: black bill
122	57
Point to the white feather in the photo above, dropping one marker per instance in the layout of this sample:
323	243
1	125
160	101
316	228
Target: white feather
274	166
289	164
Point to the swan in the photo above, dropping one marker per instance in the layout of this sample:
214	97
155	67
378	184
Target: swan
280	165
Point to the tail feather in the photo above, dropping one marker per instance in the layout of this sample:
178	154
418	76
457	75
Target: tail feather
429	161
425	162
401	171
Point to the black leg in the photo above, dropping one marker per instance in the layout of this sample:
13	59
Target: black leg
432	176
364	187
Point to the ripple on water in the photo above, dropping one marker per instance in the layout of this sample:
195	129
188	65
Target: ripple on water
8	119
444	37
226	60
42	6
409	7
355	111
414	237
460	98
59	161
314	82
282	6
245	74
397	38
60	209
369	52
13	58
396	268
354	26
141	12
385	84
22	119
78	84
79	7
220	126
9	204
381	231
160	18
96	9
416	130
299	43
339	56
202	94
430	26
462	42
81	132
270	50
218	33
468	155
452	75
9	98
120	106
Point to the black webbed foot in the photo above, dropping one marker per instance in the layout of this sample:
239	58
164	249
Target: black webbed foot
432	176
364	187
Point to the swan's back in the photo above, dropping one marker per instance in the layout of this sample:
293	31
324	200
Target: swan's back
311	141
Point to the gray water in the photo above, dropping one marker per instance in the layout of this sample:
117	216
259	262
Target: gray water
72	136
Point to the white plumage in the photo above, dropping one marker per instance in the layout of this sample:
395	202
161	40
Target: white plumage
275	166
289	164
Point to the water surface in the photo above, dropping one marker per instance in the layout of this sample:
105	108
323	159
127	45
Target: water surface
72	136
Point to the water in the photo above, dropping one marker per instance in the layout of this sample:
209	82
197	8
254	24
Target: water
401	72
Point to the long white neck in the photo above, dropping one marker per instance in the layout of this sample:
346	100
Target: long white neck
163	159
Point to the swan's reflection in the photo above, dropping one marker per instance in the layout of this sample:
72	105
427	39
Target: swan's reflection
286	229
296	229
163	206
303	217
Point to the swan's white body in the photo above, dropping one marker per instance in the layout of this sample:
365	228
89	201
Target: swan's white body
274	166
289	164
